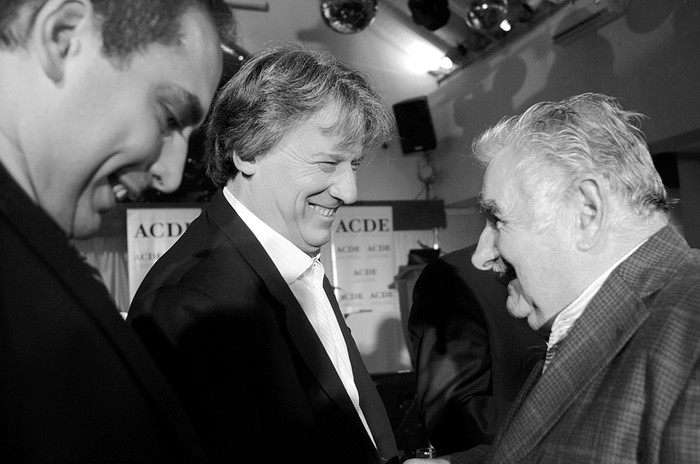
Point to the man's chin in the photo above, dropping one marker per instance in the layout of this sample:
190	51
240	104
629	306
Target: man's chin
517	304
516	309
317	239
84	228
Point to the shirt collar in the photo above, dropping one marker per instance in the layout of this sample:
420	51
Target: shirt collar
289	260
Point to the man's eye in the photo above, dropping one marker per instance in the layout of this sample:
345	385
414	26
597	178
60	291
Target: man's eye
491	218
173	123
169	122
328	166
494	222
356	165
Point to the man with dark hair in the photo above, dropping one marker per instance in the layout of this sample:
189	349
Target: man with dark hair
97	102
238	312
576	209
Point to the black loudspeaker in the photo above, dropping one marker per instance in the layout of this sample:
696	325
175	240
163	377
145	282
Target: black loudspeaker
415	125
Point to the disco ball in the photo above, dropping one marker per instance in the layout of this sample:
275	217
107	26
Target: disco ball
487	15
348	16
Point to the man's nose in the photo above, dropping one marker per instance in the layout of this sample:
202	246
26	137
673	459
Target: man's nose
344	185
166	173
486	254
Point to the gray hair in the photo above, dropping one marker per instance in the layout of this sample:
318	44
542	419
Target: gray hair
556	142
281	87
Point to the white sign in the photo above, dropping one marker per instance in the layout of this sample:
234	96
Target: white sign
150	232
362	257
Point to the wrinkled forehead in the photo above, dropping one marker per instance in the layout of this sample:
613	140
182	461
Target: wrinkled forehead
499	175
331	123
330	117
502	190
346	125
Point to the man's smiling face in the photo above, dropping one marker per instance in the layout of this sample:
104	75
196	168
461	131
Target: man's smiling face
297	187
514	238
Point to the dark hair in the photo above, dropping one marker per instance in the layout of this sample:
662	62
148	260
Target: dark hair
281	87
127	26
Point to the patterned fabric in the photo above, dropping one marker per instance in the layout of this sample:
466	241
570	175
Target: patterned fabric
569	315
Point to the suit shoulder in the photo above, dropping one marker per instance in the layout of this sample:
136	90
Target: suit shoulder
216	270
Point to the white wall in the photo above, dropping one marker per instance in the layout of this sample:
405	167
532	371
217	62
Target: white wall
649	58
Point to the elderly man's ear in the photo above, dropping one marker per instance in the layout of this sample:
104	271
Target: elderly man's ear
591	209
55	33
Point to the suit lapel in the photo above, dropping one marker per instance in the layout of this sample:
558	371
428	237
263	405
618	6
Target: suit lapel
51	245
298	326
370	402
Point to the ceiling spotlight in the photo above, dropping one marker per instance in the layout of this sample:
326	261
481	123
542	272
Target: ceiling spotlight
348	16
431	14
486	16
446	63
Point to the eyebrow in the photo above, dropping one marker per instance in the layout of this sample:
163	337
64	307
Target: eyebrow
489	209
186	105
340	157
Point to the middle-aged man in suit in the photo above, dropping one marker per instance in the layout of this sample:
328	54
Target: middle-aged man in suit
576	208
97	100
238	312
471	357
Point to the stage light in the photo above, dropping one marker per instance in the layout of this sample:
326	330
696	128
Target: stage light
424	57
431	14
348	16
446	63
485	16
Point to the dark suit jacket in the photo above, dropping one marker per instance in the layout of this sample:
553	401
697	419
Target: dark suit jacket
471	356
624	385
243	357
76	384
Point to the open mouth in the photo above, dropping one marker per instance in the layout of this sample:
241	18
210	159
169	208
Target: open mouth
121	190
323	211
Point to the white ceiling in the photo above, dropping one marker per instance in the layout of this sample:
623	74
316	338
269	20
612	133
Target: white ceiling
394	50
386	50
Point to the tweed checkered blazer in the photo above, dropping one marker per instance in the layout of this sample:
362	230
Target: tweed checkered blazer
624	385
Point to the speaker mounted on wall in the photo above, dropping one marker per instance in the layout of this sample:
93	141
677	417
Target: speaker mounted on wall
415	125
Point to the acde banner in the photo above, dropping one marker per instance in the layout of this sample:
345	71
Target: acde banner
362	260
150	232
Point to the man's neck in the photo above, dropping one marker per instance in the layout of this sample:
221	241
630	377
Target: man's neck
588	265
16	164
